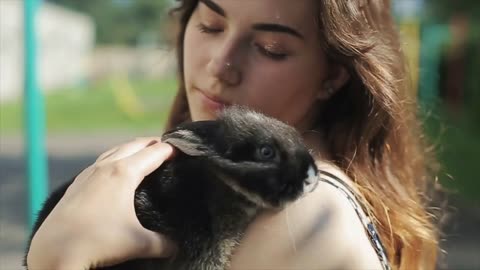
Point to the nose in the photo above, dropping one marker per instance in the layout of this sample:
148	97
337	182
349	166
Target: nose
222	67
311	181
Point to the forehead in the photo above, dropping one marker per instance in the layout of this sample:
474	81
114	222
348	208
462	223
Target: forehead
299	14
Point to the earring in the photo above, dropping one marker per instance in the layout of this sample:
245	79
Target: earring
330	90
327	91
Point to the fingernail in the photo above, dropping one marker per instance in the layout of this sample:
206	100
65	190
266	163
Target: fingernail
152	142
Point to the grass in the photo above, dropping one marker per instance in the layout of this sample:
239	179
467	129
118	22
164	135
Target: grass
108	105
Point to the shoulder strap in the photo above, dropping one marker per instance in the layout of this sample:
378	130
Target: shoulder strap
359	209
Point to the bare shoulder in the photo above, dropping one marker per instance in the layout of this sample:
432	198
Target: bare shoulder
319	231
344	224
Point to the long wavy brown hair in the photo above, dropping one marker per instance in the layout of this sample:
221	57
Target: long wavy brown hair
370	124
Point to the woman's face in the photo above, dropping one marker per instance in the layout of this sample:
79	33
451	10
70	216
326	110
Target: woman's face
262	54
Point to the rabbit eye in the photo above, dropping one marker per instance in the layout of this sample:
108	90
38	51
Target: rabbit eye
283	187
266	152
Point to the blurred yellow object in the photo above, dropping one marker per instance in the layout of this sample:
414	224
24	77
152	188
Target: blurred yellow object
410	31
125	97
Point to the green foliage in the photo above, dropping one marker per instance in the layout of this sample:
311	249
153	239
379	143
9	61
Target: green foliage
122	21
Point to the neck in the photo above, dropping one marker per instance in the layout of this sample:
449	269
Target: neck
315	141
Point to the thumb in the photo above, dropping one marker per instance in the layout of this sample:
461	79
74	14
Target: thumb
156	245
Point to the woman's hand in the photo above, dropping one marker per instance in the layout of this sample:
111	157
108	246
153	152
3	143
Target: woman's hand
94	224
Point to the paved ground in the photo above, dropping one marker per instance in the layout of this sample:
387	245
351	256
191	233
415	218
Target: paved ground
69	154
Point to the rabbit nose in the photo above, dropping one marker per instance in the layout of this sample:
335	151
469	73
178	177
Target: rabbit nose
311	181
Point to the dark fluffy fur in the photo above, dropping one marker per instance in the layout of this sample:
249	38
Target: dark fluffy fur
204	198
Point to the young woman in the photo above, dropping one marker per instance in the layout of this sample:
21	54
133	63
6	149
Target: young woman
331	68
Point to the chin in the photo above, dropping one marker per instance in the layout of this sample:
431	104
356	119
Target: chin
202	115
199	112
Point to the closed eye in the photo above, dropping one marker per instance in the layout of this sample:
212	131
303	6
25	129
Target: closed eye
208	30
270	54
264	51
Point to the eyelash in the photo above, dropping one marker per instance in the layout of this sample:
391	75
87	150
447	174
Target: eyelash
204	29
274	56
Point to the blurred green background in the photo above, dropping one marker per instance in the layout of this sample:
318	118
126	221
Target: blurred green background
107	105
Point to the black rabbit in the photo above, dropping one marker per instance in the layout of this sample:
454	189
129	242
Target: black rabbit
204	198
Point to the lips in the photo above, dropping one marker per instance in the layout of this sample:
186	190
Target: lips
212	102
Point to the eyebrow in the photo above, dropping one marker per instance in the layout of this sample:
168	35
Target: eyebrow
215	7
267	27
271	27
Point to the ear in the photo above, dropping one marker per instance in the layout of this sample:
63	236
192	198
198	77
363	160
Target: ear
185	141
194	138
336	80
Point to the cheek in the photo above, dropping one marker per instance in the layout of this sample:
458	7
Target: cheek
193	63
288	93
192	60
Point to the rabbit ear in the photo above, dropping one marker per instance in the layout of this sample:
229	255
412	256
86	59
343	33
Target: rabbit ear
193	138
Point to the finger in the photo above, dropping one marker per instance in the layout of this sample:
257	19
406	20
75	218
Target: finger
131	148
148	159
157	245
107	154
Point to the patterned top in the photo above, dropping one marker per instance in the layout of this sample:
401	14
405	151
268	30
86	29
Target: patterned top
366	221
